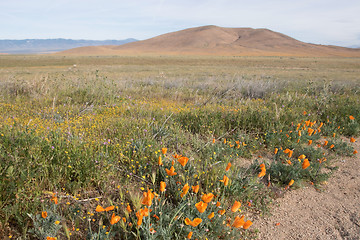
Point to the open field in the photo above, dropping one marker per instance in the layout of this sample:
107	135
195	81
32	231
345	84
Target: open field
89	131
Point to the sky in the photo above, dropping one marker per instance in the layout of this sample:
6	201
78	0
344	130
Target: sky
330	22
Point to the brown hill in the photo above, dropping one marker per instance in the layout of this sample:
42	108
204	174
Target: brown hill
213	40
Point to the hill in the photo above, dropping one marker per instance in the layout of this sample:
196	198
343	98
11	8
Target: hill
27	46
213	40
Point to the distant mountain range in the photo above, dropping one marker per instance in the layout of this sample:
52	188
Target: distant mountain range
29	46
214	40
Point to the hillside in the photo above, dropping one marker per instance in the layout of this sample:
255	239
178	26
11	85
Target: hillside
213	40
51	45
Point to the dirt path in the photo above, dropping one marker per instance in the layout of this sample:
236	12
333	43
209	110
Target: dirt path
333	213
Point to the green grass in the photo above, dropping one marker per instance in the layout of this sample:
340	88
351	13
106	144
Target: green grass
92	135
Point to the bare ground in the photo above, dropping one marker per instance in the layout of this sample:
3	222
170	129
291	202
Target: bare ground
333	212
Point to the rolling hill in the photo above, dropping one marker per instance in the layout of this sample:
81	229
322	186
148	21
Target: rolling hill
28	46
213	40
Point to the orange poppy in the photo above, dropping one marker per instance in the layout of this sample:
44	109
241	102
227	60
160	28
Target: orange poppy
171	172
238	222
299	133
276	150
213	141
140	216
101	209
193	223
183	161
54	199
289	162
355	152
207	197
309	142
351	117
177	156
290	153
211	215
310	131
334	134
51	238
114	219
44	214
218	204
144	212
195	188
287	150
326	143
201	206
185	190
352	140
160	161
164	150
128	208
247	224
332	146
147	198
221	212
124	219
291	182
228	167
235	207
225	180
162	186
189	235
305	164
302	156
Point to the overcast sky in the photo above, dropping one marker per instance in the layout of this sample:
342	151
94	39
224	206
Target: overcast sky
316	21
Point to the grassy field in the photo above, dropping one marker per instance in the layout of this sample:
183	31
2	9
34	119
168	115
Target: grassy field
89	146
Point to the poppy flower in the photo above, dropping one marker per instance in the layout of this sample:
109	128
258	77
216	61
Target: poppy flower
160	161
211	215
207	197
238	222
334	134
185	190
286	151
218	204
144	212
44	214
310	131
235	207
355	152
51	238
221	212
54	199
305	164
290	153
351	117
276	150
171	172
164	150
263	170
162	186
140	216
302	156
195	188
352	140
189	235
299	133
213	141
225	180
201	206
101	209
326	143
247	224
291	182
193	223
114	219
128	208
183	161
289	162
228	167
147	198
332	146
309	142
124	219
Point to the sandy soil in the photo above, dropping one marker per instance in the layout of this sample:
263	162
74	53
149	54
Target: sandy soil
331	213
